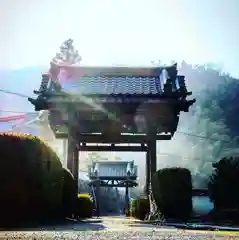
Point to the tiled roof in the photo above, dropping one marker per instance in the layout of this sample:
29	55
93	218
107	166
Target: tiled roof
110	80
113	85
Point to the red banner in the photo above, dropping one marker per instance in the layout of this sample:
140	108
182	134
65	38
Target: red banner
12	118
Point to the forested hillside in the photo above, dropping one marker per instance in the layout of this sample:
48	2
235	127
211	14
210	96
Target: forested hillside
209	130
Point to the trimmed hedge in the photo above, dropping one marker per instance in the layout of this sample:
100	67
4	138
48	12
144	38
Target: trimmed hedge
68	193
84	206
172	191
31	179
224	183
139	208
224	216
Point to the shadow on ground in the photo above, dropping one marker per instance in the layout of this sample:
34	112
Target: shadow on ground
92	225
184	226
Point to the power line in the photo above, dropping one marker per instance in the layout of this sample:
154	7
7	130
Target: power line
175	154
180	132
169	154
14	93
203	137
9	111
188	134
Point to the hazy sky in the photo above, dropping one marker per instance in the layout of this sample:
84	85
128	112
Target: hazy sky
131	32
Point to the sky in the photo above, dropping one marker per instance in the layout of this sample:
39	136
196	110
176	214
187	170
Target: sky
128	32
108	32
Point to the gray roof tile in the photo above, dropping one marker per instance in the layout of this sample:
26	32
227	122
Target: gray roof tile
113	85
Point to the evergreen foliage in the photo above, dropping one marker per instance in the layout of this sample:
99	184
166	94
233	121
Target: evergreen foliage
172	191
31	180
224	184
210	124
84	206
139	208
68	193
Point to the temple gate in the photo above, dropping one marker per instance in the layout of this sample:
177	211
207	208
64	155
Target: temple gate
113	105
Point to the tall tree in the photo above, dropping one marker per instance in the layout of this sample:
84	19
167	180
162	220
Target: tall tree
68	55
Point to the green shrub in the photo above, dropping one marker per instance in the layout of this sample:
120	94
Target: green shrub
224	183
84	206
172	191
139	208
31	179
68	193
133	206
224	216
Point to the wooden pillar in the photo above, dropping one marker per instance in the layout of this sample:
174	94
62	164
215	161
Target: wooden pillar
147	180
153	156
127	200
153	168
151	162
98	198
73	159
64	155
71	148
75	163
75	170
70	153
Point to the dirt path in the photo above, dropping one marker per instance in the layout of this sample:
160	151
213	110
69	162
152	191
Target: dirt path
114	228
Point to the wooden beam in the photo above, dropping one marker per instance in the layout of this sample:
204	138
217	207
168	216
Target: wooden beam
200	192
100	138
90	138
113	148
105	178
163	137
114	185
